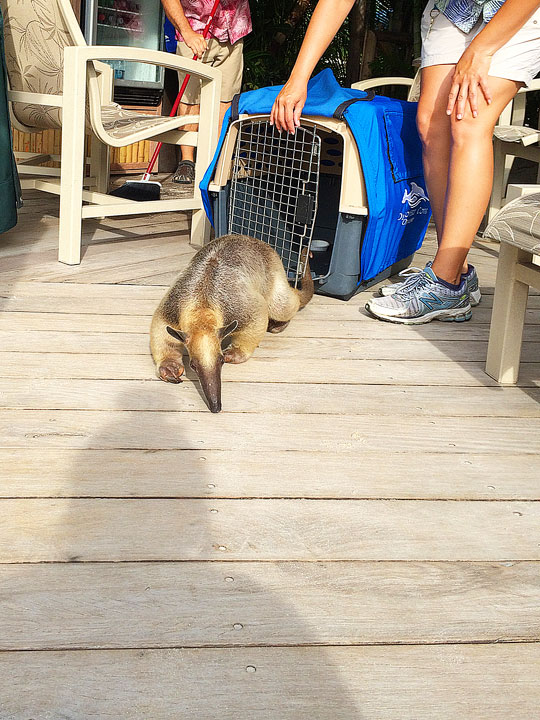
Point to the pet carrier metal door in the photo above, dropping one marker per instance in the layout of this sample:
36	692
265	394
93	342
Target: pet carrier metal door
274	188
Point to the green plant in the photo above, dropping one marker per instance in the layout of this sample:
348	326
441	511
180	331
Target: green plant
271	49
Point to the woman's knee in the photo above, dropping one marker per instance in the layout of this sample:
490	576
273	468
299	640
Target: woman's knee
470	130
433	128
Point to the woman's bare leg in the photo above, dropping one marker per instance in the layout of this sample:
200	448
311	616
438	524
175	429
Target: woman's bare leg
458	164
434	128
470	179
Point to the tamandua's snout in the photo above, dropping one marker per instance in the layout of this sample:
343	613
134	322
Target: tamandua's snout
204	346
210	379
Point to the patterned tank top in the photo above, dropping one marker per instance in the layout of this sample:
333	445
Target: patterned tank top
466	13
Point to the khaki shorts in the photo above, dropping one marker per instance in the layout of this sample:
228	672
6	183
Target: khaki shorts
228	58
443	44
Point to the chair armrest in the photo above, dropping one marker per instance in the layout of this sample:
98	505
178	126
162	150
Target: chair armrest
34	98
381	82
75	55
534	85
102	67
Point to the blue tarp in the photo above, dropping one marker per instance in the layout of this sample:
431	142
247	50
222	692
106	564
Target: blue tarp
391	157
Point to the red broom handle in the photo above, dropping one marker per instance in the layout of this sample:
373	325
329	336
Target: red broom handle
206	32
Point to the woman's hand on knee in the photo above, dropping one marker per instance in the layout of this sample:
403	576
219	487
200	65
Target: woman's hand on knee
469	80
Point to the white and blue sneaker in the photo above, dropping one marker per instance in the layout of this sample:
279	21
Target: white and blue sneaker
421	298
470	276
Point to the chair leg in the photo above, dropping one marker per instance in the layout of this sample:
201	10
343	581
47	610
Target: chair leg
72	165
200	229
99	164
508	164
508	317
206	144
499	171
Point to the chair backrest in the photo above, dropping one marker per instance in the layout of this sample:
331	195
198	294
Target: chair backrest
412	83
414	91
35	35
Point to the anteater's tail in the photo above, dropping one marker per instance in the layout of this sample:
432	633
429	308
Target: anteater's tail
307	288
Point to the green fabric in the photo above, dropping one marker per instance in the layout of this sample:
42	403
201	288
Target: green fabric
10	192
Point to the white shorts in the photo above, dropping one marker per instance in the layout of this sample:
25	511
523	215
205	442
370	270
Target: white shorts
443	44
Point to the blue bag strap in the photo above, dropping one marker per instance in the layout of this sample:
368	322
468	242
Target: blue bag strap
235	107
339	112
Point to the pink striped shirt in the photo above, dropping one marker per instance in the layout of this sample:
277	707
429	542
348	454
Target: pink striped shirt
232	20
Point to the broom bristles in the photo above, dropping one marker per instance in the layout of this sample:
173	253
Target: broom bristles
139	190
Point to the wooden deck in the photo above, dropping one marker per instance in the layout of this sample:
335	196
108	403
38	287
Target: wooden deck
356	536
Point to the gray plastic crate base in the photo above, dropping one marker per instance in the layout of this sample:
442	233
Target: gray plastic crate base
344	287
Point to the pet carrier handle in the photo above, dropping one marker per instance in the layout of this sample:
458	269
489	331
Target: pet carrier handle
235	107
339	112
205	34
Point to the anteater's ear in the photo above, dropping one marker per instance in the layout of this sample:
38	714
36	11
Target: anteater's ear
228	329
177	334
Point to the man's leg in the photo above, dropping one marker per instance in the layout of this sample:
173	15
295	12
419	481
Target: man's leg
223	107
187	152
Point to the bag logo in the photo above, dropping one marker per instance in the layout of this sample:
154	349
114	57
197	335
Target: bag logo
415	197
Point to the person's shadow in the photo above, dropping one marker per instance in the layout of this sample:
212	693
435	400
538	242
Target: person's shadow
154	591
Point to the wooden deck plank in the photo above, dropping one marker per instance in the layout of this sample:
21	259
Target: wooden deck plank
42	234
137	306
330	433
74	472
156	279
107	530
302	327
43	265
272	346
473	682
312	399
266	370
29	289
154	605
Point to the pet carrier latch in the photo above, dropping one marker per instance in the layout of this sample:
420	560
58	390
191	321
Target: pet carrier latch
304	209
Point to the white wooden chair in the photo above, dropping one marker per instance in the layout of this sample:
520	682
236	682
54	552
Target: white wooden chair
412	83
57	81
517	228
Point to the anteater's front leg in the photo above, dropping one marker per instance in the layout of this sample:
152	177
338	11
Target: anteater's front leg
166	351
248	338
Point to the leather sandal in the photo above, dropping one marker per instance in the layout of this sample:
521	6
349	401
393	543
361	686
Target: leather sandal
185	172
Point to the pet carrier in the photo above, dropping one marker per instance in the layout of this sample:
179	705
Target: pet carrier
347	186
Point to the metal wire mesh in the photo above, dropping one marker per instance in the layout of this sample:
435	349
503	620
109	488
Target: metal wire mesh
274	188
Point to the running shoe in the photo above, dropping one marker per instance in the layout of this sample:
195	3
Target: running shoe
470	276
422	298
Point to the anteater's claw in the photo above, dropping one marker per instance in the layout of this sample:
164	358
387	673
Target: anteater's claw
171	372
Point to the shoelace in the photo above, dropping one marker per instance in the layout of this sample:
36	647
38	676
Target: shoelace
413	270
412	284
